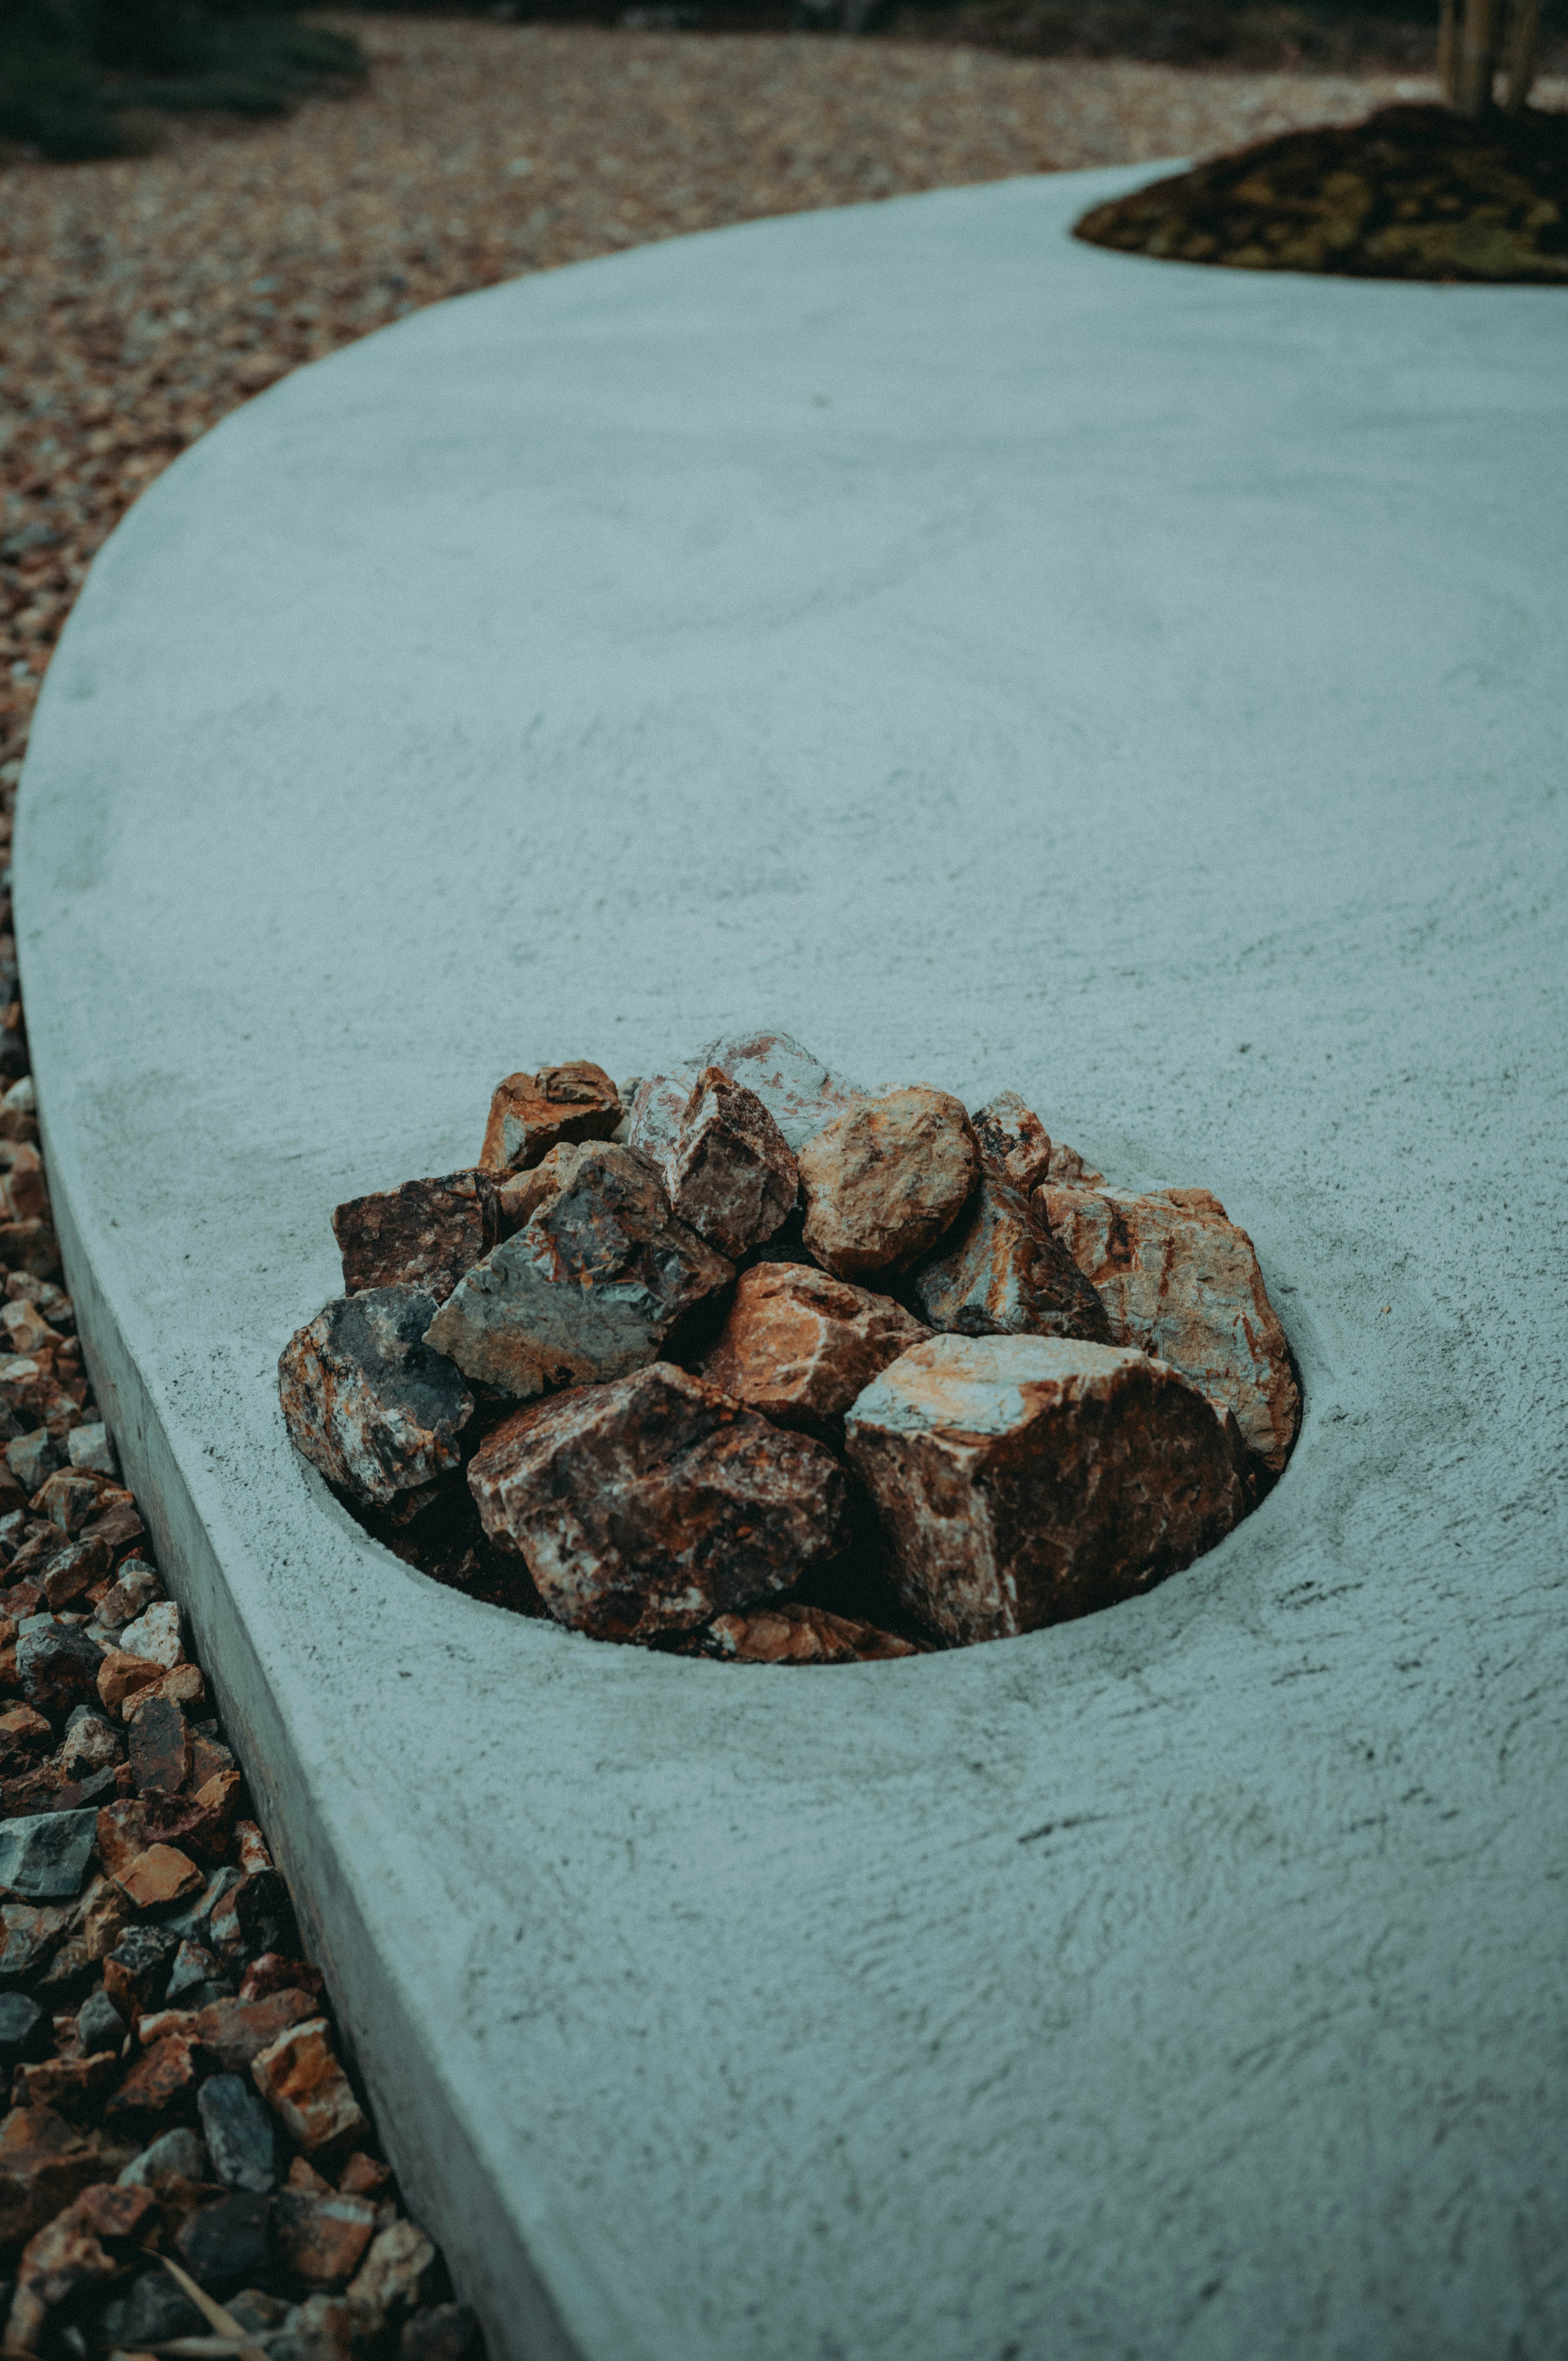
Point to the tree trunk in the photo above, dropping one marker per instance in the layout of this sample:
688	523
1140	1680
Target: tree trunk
1524	25
1477	58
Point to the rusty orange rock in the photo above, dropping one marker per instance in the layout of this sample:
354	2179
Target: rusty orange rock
73	2087
798	1344
885	1179
1180	1281
532	1114
730	1173
162	2083
162	1873
792	1634
90	2242
1021	1480
44	2163
1013	1141
320	2239
999	1272
655	1503
302	2082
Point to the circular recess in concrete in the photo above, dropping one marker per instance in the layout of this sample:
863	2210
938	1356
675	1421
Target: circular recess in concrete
1003	663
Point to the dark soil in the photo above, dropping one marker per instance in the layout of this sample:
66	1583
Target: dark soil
1414	193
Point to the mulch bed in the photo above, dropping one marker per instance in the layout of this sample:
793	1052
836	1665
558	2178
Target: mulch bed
1414	193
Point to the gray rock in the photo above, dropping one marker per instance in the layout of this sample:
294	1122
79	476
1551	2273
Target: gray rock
57	1665
239	2132
177	2156
151	2311
25	2032
799	1092
44	1858
368	1401
999	1272
99	2025
589	1289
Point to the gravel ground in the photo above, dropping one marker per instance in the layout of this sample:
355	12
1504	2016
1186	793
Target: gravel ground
141	299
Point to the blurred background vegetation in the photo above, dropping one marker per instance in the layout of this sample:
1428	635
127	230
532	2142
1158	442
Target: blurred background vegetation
78	78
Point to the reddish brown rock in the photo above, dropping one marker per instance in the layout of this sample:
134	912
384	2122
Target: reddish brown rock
1012	1142
729	1174
655	1503
274	1974
1180	1281
24	1193
883	1181
999	1272
1021	1480
798	1344
121	1675
161	2083
122	1835
303	2083
160	1747
532	1114
391	2276
162	1873
425	1234
1069	1168
320	2240
181	1686
196	1824
588	1291
798	1090
24	1735
44	2163
369	1403
791	1634
234	2033
74	2087
70	1500
364	2175
73	1572
92	2241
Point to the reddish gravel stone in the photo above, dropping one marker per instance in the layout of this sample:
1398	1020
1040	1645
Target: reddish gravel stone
789	1634
160	1747
160	1875
884	1181
321	2240
798	1090
85	2244
162	2083
655	1503
532	1114
74	2087
1012	1142
303	2083
44	2163
999	1272
425	1234
1021	1480
798	1344
730	1175
368	1401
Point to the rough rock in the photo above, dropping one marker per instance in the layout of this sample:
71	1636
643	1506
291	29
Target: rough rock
655	1503
24	1736
999	1272
196	1824
1066	1166
447	2331
121	1674
135	1972
99	2025
883	1180
1181	1281
151	2311
32	1457
532	1114
136	1588
321	2240
393	2271
731	1174
275	1974
799	1092
44	2163
162	2082
25	2033
372	1406
90	2242
234	2033
91	1743
160	1875
330	2328
792	1634
73	1572
122	1834
1014	1143
44	1859
92	1448
70	1500
196	1978
303	2083
224	2246
587	1290
179	2155
74	2087
241	2137
160	1747
1021	1480
425	1234
57	1665
181	1685
364	2175
798	1344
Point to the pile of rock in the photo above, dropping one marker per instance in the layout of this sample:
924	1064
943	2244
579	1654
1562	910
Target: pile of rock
744	1360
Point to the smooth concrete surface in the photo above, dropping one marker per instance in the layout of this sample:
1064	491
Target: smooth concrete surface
1001	662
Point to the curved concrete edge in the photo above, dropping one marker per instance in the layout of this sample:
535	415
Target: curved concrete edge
995	2102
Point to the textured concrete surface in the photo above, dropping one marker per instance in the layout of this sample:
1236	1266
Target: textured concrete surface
1001	663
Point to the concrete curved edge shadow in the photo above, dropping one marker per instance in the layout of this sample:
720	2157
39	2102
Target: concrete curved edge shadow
872	2012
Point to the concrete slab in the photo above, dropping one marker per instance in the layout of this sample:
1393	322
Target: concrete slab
1001	662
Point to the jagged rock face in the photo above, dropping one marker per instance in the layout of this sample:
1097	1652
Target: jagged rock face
1179	1280
1021	1480
999	1272
799	1345
588	1289
884	1180
532	1114
731	1174
793	1634
367	1401
426	1233
652	1504
799	1092
1012	1142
